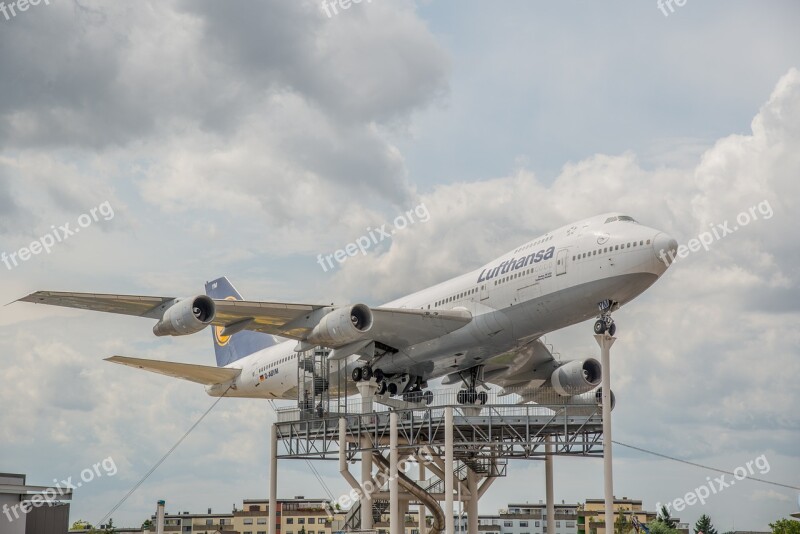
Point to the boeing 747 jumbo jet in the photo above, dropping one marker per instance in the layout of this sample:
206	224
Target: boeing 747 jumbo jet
479	328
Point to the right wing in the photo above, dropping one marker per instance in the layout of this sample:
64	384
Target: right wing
200	374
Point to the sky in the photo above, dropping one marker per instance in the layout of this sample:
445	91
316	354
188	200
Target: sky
188	140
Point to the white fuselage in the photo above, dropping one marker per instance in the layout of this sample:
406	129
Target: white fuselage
551	282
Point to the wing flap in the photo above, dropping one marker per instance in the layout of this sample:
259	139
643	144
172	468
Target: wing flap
200	374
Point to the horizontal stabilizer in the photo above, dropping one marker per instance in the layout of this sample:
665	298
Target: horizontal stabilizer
201	374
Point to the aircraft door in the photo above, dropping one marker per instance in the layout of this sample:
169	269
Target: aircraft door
561	261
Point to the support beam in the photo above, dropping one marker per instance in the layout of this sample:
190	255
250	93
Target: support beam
395	525
343	469
422	510
487	483
273	480
448	471
367	391
472	504
548	477
605	341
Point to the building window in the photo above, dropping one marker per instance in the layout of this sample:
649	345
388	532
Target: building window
262	520
310	520
301	520
508	524
247	521
523	523
289	520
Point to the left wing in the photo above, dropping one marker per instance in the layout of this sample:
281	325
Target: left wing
395	327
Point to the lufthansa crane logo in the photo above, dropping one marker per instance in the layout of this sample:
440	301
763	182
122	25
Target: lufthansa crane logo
218	337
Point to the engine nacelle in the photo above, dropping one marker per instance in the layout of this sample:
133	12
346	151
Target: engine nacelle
589	403
576	377
342	326
186	316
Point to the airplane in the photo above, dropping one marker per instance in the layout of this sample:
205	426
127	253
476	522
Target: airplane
483	327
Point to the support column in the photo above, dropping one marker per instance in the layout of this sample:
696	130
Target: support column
422	510
395	524
273	480
367	391
366	482
605	342
472	503
548	477
448	471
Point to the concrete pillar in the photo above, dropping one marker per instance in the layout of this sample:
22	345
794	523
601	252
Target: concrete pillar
472	503
448	471
367	391
548	476
160	517
422	510
273	480
395	523
605	343
366	477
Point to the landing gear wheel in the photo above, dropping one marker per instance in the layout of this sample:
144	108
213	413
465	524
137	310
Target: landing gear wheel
472	396
392	389
366	372
428	397
382	387
357	374
482	397
612	329
462	396
599	327
378	374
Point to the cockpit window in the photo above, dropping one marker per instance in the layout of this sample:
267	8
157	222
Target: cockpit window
626	218
610	219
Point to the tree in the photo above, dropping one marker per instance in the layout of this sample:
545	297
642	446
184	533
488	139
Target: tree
661	527
621	525
80	524
147	525
664	517
785	526
704	525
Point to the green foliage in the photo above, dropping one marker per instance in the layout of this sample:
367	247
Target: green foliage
660	527
147	525
704	525
621	524
664	517
785	526
80	524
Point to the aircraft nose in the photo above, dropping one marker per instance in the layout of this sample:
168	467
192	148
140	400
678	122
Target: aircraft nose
664	247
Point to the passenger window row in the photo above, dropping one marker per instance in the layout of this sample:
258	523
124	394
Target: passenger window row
605	250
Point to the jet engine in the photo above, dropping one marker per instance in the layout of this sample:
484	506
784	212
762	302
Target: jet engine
186	316
576	377
342	326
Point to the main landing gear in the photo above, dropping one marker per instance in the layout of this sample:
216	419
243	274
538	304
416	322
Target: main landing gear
605	323
470	394
409	387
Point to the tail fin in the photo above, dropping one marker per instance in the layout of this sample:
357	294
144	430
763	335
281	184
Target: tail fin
228	349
